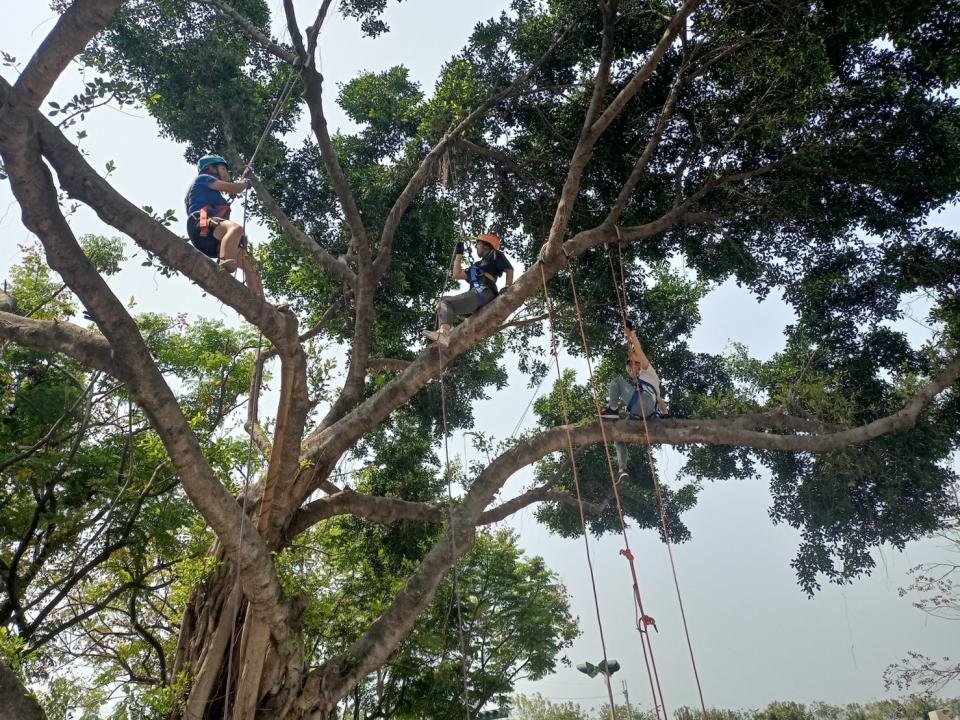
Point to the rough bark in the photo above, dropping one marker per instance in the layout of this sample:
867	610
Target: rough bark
15	702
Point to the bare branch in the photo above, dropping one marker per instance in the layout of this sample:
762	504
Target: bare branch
16	700
425	170
521	322
260	439
500	157
252	30
294	29
80	344
594	128
646	70
337	266
313	32
74	29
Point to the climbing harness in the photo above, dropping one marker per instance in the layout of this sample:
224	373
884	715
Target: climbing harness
477	281
203	216
641	387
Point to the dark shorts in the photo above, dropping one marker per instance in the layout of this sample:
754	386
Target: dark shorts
208	245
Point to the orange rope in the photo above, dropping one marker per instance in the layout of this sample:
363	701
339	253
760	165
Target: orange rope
576	481
644	619
663	510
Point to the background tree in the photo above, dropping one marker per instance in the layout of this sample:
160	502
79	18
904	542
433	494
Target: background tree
793	147
939	596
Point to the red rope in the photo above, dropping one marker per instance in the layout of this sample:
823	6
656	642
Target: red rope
576	482
655	687
663	510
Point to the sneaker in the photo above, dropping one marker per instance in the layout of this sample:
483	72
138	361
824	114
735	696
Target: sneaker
227	265
610	413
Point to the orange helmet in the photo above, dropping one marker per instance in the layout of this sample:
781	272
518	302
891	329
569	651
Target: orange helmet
490	239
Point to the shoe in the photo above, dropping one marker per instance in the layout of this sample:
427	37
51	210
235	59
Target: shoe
610	413
227	265
634	416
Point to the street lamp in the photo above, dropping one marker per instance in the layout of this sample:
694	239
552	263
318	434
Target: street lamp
606	667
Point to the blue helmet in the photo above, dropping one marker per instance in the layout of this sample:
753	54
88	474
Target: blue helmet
211	160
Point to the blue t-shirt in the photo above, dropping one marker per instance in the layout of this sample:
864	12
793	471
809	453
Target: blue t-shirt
201	194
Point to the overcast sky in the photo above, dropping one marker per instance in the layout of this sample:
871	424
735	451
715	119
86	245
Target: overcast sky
757	638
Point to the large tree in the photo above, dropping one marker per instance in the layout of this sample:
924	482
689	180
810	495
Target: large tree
795	147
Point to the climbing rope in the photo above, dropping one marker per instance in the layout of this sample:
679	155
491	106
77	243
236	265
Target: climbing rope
453	551
274	114
253	405
252	409
554	350
623	302
643	620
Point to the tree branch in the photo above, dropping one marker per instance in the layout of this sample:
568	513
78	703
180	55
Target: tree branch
84	346
387	364
74	29
252	30
14	698
499	157
294	29
425	170
594	126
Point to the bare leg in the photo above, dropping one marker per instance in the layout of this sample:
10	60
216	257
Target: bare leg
250	273
230	245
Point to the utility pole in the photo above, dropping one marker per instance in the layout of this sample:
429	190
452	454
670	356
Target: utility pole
626	696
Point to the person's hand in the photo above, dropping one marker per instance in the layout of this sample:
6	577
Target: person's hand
460	248
247	182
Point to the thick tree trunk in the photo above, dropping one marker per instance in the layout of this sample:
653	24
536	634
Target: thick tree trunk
15	702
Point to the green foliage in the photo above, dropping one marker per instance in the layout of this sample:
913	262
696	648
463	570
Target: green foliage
840	111
99	547
913	707
536	707
516	618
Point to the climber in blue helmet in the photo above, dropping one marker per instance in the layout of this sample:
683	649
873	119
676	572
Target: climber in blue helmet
208	225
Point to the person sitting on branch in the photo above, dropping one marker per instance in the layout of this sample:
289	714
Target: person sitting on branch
208	224
640	394
482	276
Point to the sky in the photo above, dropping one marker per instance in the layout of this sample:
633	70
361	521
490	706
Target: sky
756	636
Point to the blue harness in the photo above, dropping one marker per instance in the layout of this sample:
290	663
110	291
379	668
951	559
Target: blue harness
476	281
642	386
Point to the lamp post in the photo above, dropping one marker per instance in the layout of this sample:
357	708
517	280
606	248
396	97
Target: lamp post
608	668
